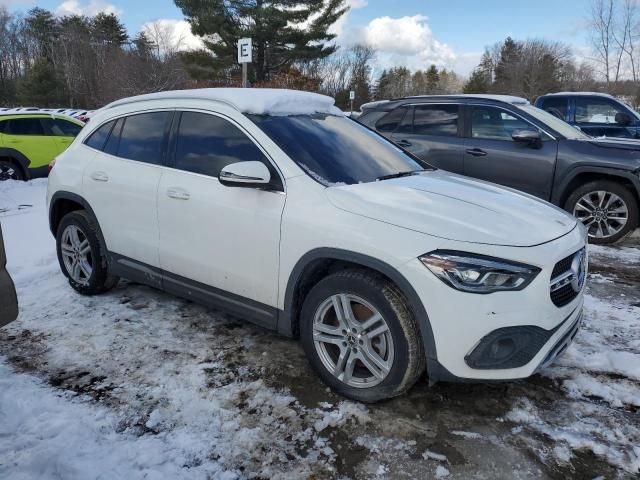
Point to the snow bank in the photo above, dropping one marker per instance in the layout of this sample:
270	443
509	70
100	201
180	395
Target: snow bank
259	101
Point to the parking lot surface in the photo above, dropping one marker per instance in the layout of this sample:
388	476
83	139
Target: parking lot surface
139	384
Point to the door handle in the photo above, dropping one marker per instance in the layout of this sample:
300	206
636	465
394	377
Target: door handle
476	152
404	143
178	194
99	176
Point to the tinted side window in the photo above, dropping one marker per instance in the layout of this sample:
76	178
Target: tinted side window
389	122
437	120
494	124
25	126
3	126
142	137
111	147
597	110
207	143
98	138
64	128
556	106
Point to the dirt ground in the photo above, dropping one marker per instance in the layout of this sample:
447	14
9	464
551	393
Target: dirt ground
168	367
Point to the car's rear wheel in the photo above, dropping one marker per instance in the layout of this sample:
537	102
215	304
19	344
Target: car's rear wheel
361	337
10	171
608	210
81	255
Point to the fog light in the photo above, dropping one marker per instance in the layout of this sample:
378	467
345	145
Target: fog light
502	348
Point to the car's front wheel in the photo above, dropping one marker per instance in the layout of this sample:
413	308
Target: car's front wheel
608	210
360	336
81	256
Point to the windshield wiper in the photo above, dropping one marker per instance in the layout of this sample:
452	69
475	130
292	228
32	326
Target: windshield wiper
399	174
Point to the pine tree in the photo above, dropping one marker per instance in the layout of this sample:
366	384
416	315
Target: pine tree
432	79
507	69
107	29
477	83
41	86
283	32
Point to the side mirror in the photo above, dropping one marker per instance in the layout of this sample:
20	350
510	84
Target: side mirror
245	174
529	137
9	303
623	119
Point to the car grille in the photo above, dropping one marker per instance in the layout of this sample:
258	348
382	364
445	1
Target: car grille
561	289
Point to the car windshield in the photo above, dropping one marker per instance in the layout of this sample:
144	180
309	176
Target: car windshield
335	150
560	126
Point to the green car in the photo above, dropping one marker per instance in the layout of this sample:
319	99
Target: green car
29	141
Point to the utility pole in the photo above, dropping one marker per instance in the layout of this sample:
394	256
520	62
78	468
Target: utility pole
244	57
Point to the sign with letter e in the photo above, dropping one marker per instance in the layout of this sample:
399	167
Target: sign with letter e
244	50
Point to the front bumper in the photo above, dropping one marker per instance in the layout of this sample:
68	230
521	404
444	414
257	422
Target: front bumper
524	330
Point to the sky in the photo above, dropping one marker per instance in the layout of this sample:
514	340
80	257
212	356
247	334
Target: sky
414	33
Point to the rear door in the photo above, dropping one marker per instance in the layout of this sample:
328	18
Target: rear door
9	303
491	154
27	135
62	131
121	183
432	133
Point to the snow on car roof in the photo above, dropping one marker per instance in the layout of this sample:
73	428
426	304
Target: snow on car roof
590	94
259	101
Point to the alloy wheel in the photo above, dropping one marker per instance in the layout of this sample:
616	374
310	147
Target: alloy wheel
353	340
7	172
76	254
603	213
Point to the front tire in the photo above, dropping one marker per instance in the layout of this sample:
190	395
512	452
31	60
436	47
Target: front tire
81	256
608	210
361	337
10	171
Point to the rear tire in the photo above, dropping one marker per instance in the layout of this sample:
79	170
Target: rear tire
9	170
608	210
81	256
374	355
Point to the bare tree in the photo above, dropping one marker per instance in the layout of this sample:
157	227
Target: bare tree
602	34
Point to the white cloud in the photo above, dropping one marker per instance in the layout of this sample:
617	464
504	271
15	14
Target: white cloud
15	3
74	7
403	41
172	35
465	63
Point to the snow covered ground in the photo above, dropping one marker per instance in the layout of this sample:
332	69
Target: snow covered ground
138	384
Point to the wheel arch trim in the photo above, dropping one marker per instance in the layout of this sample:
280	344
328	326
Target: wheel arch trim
286	320
561	192
74	197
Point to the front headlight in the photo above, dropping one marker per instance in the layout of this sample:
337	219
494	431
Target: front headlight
478	273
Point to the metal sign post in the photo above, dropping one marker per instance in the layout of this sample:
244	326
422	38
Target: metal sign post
244	57
352	97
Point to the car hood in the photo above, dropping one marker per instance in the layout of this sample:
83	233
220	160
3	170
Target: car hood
617	143
458	208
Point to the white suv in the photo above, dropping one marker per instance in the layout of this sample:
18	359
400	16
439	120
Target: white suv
271	205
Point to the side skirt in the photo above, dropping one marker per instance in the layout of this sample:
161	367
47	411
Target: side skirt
264	315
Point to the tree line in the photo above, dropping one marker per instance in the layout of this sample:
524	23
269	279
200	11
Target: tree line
82	61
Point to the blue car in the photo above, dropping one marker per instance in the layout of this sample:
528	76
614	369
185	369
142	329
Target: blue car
596	114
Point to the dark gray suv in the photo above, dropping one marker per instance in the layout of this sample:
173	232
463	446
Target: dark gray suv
508	141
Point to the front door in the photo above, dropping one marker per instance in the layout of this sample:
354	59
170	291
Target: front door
27	136
604	117
491	154
224	238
